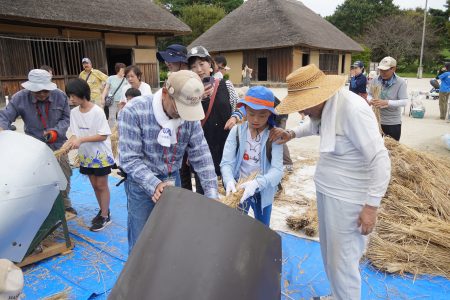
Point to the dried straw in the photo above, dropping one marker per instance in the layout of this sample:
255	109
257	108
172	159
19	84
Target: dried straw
64	150
308	222
115	140
375	91
233	199
412	234
413	230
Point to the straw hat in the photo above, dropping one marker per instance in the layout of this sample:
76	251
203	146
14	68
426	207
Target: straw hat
307	87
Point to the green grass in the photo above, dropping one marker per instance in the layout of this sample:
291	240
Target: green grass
414	75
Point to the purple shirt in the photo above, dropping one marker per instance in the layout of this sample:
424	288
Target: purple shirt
34	115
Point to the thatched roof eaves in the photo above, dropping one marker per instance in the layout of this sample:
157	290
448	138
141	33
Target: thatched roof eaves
136	16
265	24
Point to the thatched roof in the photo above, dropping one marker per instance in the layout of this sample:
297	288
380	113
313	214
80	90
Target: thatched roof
259	24
133	16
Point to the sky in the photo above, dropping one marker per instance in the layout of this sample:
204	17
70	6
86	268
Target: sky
327	7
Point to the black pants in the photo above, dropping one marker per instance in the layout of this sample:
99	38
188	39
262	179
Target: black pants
185	174
394	131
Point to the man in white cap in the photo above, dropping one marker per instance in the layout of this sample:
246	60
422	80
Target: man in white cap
45	112
155	131
352	173
11	281
393	97
95	79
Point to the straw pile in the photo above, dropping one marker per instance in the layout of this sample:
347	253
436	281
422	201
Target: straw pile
115	140
232	200
308	222
413	229
412	234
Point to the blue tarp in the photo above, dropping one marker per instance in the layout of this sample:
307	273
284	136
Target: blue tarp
91	269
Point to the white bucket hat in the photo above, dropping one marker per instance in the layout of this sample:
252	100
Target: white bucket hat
11	280
39	80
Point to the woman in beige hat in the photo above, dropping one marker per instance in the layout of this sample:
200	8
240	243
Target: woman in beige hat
352	173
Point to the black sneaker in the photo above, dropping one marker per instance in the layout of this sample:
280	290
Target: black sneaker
97	217
71	210
101	223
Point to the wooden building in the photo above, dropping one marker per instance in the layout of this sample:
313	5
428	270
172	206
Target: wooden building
275	37
60	33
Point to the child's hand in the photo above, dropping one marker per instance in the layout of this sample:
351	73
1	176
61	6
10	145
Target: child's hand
250	188
74	143
231	187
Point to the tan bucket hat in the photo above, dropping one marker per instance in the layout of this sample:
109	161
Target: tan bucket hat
307	87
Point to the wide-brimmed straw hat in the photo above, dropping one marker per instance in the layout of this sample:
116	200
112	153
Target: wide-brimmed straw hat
307	87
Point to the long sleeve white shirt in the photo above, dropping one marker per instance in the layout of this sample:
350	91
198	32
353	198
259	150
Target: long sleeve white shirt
358	170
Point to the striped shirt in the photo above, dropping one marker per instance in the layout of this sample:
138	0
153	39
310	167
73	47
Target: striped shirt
142	158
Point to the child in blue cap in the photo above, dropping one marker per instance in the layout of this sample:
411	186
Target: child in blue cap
247	151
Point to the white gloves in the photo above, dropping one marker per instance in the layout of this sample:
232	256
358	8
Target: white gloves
249	189
231	187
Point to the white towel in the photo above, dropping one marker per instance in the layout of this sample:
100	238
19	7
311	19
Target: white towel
328	124
168	134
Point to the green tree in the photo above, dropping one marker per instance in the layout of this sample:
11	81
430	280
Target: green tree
200	17
400	36
364	56
177	6
353	16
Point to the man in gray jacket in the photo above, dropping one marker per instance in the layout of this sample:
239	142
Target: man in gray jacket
393	97
45	112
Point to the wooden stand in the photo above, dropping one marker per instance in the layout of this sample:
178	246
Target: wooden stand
51	246
48	251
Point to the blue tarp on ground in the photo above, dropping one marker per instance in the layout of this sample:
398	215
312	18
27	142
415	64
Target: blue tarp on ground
90	271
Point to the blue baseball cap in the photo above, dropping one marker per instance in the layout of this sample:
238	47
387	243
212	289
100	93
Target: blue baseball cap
174	53
258	98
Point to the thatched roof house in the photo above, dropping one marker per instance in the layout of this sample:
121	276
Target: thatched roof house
275	37
59	33
137	16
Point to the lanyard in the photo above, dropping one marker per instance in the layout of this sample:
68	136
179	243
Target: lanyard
169	166
47	105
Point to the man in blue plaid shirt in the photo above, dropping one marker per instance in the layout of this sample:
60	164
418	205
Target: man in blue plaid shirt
155	131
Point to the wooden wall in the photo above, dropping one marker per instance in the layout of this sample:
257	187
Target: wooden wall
150	73
279	62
